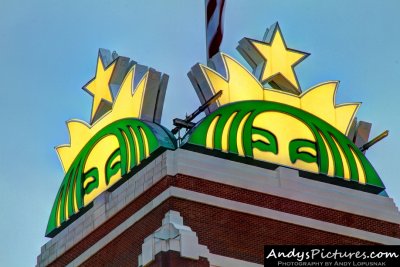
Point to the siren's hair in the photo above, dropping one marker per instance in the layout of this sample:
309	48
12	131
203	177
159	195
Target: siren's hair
136	142
239	118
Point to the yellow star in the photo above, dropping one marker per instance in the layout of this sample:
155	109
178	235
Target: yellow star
99	88
272	61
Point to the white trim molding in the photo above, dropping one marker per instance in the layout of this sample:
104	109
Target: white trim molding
236	206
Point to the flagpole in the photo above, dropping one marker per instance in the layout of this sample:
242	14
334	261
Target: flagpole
214	11
205	24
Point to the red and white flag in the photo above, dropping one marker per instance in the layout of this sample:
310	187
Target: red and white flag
214	25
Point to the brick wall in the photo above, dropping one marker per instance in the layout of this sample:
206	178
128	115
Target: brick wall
225	232
286	205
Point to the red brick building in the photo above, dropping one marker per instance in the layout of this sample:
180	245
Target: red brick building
190	209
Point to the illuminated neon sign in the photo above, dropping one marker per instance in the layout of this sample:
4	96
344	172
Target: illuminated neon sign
275	125
279	125
127	104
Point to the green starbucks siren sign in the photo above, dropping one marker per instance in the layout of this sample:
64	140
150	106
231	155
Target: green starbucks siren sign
278	125
123	135
260	117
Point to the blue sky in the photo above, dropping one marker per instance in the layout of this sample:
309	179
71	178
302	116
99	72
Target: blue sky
48	51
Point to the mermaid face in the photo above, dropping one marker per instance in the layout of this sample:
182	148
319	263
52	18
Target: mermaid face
102	167
109	155
283	135
274	140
